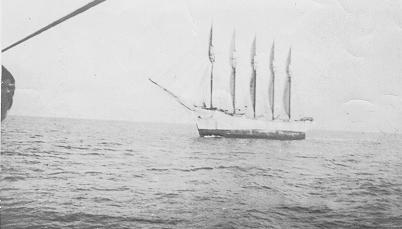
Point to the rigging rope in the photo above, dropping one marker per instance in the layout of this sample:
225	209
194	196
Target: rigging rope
68	16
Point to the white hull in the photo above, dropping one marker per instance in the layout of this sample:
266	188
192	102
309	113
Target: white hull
217	123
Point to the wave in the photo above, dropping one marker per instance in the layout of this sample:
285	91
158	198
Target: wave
194	169
13	178
102	219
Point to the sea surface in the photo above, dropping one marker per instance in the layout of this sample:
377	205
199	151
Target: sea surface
70	173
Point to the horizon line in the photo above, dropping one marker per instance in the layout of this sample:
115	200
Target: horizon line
185	123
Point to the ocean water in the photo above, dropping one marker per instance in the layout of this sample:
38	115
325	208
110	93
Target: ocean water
66	173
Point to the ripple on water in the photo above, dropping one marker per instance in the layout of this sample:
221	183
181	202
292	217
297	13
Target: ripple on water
62	173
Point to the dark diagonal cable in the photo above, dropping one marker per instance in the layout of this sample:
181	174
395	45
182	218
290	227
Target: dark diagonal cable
68	16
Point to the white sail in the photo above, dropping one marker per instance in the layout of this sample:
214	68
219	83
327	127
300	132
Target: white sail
287	92
253	80
271	86
233	72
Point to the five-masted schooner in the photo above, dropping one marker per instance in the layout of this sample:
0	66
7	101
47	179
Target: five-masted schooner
212	121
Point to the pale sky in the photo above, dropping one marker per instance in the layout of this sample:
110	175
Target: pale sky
347	56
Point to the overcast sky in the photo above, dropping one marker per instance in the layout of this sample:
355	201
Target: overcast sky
347	56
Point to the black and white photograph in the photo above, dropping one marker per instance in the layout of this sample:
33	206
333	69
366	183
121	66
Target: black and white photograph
201	114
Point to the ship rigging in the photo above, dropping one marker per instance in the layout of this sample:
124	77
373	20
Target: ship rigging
215	121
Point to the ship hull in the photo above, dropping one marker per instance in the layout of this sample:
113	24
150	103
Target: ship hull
219	124
258	134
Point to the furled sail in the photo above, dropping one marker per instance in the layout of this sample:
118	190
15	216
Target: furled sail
253	81
211	56
287	92
233	72
271	87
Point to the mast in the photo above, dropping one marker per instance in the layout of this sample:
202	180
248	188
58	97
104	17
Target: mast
253	81
233	73
287	94
211	56
271	88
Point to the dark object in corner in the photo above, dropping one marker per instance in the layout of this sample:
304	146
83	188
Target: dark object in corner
7	91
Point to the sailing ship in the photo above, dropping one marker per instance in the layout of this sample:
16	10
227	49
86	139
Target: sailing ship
214	121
